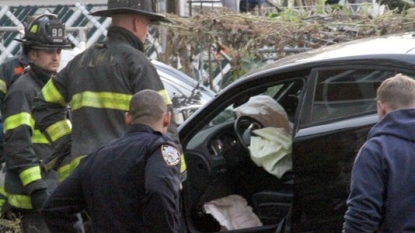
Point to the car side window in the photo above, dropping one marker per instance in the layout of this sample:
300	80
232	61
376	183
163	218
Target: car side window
285	93
342	93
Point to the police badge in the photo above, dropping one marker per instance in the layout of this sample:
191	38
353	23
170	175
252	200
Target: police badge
170	155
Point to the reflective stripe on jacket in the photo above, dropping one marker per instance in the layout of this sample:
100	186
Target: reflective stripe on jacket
24	145
10	70
98	85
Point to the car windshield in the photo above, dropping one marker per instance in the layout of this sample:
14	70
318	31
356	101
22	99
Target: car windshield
225	116
228	115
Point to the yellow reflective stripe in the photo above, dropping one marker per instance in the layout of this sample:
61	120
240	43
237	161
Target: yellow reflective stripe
165	96
2	201
3	191
183	166
29	175
20	201
59	129
51	94
3	197
108	100
24	118
67	169
39	137
17	120
3	86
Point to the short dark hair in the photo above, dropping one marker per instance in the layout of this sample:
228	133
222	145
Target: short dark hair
147	106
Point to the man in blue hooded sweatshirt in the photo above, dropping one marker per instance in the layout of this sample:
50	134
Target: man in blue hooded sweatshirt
382	195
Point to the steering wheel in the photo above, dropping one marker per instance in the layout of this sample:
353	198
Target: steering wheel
243	127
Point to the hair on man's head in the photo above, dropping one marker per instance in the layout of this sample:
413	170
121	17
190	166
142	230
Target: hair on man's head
147	107
397	92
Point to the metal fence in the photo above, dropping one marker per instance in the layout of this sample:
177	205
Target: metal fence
83	29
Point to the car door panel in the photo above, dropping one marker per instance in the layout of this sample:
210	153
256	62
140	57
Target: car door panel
322	166
339	111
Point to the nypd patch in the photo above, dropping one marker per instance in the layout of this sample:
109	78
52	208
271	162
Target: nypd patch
170	155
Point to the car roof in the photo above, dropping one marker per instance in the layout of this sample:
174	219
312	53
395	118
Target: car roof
382	46
181	79
174	73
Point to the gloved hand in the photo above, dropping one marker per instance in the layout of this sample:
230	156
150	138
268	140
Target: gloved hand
62	150
63	147
37	198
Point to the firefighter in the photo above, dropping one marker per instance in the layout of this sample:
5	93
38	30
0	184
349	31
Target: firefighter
10	70
25	146
98	85
131	184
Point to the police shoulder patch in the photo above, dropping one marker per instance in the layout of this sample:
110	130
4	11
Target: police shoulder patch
170	155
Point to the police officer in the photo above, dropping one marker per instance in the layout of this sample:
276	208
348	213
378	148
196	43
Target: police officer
128	185
25	146
98	85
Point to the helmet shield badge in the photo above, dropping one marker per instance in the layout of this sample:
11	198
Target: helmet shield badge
46	32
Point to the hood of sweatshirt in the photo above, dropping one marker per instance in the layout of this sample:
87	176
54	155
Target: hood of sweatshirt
399	123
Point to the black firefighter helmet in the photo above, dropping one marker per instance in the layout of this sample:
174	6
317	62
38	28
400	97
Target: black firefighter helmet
46	31
141	7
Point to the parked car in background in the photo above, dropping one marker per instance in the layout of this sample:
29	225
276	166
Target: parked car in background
187	94
329	96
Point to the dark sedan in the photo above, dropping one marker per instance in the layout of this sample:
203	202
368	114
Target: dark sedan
329	97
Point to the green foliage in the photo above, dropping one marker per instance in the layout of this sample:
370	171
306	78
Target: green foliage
289	14
398	5
320	7
10	226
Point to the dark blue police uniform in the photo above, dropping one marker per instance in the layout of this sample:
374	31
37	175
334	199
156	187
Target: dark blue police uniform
131	184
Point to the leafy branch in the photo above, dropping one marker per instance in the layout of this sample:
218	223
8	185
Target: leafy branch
241	36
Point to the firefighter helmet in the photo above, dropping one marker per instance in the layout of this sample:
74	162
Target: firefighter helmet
45	32
140	7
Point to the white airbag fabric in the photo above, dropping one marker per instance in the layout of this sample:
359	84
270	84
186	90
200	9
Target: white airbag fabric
271	149
232	212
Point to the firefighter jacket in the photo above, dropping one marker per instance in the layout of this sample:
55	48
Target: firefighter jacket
25	146
10	70
98	85
142	166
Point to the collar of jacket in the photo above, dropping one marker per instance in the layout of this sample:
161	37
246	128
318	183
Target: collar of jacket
41	75
23	59
119	33
141	128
